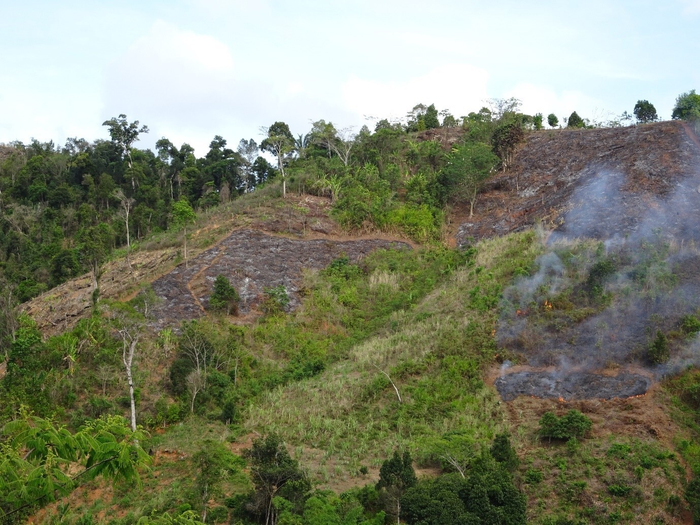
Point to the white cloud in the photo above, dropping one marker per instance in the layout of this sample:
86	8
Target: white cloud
460	88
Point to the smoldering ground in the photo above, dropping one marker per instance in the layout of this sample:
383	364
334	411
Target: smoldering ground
623	268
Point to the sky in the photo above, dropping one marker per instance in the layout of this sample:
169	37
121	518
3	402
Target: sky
193	69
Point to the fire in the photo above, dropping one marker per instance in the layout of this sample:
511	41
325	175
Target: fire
561	400
547	305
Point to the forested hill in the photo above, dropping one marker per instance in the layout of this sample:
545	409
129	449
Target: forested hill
443	321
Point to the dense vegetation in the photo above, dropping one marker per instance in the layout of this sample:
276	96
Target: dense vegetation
380	370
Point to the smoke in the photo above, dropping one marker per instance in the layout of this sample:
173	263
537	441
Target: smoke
622	268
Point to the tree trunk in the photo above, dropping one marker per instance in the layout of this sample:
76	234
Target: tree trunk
128	359
186	265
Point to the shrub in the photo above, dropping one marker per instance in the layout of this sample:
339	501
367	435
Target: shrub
224	298
690	324
658	352
503	452
276	300
572	425
533	476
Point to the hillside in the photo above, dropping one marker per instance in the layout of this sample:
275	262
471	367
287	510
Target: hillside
577	257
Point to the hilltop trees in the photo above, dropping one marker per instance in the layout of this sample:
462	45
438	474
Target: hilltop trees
123	135
575	121
279	142
645	112
687	106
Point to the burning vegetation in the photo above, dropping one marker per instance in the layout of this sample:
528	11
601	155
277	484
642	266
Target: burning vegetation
617	289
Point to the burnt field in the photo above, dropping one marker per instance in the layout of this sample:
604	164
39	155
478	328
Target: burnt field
618	287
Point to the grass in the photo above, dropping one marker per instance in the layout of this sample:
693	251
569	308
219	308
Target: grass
433	349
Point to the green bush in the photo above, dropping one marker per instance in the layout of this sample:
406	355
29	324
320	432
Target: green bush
658	351
690	324
571	425
224	298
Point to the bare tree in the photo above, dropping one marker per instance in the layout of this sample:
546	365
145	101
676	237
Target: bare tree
343	144
196	382
127	205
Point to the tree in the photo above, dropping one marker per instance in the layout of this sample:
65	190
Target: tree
645	112
279	142
129	327
552	120
183	214
95	244
274	474
537	121
502	109
248	150
431	117
123	135
396	475
213	464
127	205
504	140
468	167
9	318
575	121
687	106
224	298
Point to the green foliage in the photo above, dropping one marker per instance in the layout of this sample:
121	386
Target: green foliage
645	112
503	452
224	298
36	452
690	324
687	106
275	475
397	472
658	351
276	300
213	463
488	495
573	424
575	121
537	121
598	275
552	120
468	167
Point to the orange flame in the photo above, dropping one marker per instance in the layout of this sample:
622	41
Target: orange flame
547	305
561	400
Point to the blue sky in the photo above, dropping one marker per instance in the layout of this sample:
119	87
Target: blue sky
192	69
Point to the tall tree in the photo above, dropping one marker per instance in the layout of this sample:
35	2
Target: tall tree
396	475
248	150
123	135
279	142
274	473
183	214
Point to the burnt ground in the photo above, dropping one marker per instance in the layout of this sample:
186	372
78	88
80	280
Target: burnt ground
627	170
575	385
252	261
628	187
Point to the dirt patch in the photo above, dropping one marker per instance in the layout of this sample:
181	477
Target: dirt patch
647	163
